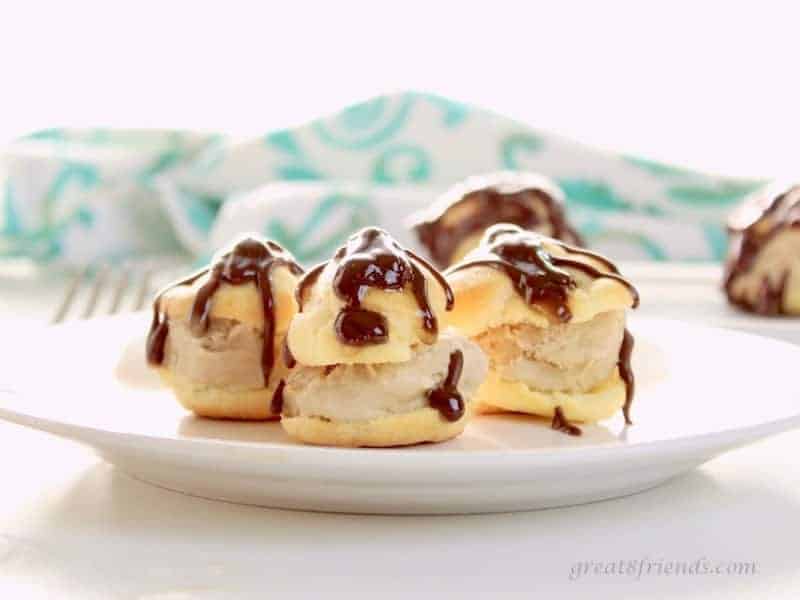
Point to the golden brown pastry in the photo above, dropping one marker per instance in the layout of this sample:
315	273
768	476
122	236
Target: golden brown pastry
216	336
762	273
551	318
455	223
370	365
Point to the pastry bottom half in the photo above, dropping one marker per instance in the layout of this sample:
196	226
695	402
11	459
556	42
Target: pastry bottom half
501	395
416	427
217	402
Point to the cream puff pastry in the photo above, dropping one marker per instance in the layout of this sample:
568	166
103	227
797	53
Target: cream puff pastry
455	223
370	366
762	272
216	337
551	318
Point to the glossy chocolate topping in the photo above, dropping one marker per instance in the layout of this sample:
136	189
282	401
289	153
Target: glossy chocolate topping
626	374
159	325
751	226
250	260
537	275
560	423
371	259
276	406
503	199
361	327
445	397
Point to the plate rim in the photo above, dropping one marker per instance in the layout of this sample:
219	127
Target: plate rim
704	441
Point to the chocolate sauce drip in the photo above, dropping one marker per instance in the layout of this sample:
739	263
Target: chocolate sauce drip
537	275
288	358
276	406
754	224
159	325
306	283
512	201
770	298
156	340
560	423
250	260
361	327
596	274
440	279
371	259
626	374
607	264
445	397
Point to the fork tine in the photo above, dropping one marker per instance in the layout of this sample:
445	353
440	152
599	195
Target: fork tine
69	297
119	290
97	287
131	281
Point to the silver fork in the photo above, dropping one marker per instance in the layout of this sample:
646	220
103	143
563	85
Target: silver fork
110	289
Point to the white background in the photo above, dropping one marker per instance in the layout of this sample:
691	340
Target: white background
713	85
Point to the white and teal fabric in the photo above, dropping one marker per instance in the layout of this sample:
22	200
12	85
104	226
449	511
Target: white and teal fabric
76	196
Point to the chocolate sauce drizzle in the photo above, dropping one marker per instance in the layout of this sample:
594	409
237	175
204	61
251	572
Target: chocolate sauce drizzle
445	397
770	298
506	200
626	374
756	222
540	279
159	324
371	259
276	406
560	423
288	358
536	274
250	260
306	283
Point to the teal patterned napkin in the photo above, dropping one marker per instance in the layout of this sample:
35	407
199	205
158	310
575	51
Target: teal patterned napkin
77	196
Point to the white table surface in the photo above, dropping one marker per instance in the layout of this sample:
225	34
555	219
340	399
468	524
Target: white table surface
73	527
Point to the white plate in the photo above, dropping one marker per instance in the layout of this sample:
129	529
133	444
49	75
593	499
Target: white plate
700	392
693	292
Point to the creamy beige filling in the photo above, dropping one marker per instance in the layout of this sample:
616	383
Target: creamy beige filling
367	392
779	256
568	357
229	354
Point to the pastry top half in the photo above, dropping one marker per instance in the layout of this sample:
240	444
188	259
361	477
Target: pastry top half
521	277
373	302
240	306
455	223
762	272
